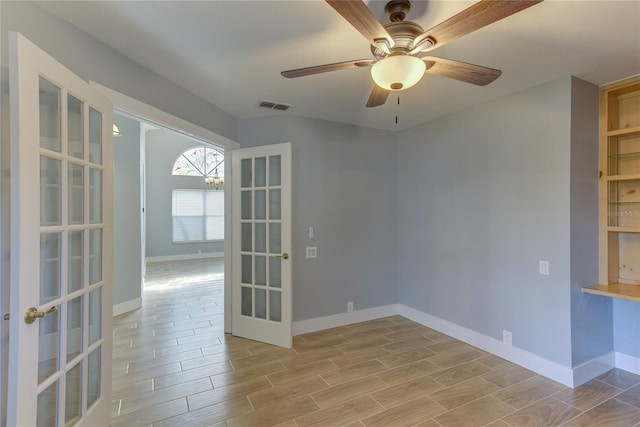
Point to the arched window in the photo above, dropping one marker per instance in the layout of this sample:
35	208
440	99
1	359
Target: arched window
207	162
198	213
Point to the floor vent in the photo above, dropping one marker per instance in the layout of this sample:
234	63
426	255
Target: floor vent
273	105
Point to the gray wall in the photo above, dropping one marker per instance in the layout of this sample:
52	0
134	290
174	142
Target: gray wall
94	60
483	195
626	324
127	258
343	186
162	149
591	316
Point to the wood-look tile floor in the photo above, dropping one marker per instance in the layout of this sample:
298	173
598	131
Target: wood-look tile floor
174	366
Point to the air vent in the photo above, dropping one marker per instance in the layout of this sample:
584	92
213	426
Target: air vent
273	105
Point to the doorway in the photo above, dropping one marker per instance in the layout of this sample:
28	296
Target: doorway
154	223
134	109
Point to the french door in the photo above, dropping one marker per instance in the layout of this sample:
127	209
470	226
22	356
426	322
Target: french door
261	288
61	245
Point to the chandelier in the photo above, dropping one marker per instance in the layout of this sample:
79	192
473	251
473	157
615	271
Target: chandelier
215	181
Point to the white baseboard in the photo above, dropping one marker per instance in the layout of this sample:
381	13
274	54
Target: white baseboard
593	368
127	306
571	377
184	257
628	363
533	362
341	319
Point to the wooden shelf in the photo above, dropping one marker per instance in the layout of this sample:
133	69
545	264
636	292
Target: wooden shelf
619	191
618	229
629	177
615	290
624	132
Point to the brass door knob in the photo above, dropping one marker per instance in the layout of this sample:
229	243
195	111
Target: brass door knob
283	256
32	314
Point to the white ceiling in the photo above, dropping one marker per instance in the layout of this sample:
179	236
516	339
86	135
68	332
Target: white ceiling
231	52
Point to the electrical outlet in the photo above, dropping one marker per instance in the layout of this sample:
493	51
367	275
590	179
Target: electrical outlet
544	268
507	337
312	252
350	307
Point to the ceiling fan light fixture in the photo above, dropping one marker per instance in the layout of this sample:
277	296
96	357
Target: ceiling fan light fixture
398	72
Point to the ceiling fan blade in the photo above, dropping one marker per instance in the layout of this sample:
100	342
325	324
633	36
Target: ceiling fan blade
307	71
362	19
476	16
378	96
469	73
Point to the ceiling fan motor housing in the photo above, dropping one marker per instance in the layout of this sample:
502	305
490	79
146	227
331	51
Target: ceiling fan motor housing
397	9
403	34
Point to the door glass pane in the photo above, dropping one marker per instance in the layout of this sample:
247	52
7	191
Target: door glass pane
47	406
275	272
49	267
261	204
95	256
76	264
73	395
247	269
245	203
261	237
246	237
49	115
274	204
261	172
76	194
75	127
275	238
93	377
246	302
261	303
275	306
95	196
245	171
95	136
50	191
95	315
261	270
48	344
274	170
74	327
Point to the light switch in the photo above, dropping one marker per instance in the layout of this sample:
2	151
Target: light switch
310	234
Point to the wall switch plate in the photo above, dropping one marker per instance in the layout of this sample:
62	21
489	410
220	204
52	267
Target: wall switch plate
350	307
312	252
310	234
507	337
544	268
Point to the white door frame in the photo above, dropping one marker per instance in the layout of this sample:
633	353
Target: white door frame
133	107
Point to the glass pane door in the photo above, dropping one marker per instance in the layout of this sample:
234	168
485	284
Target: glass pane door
61	222
262	228
71	228
261	238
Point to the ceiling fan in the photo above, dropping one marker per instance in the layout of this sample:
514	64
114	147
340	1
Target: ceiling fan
400	48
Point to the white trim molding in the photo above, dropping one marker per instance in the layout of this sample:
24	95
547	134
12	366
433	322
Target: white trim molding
571	377
183	257
627	362
533	362
127	306
341	319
